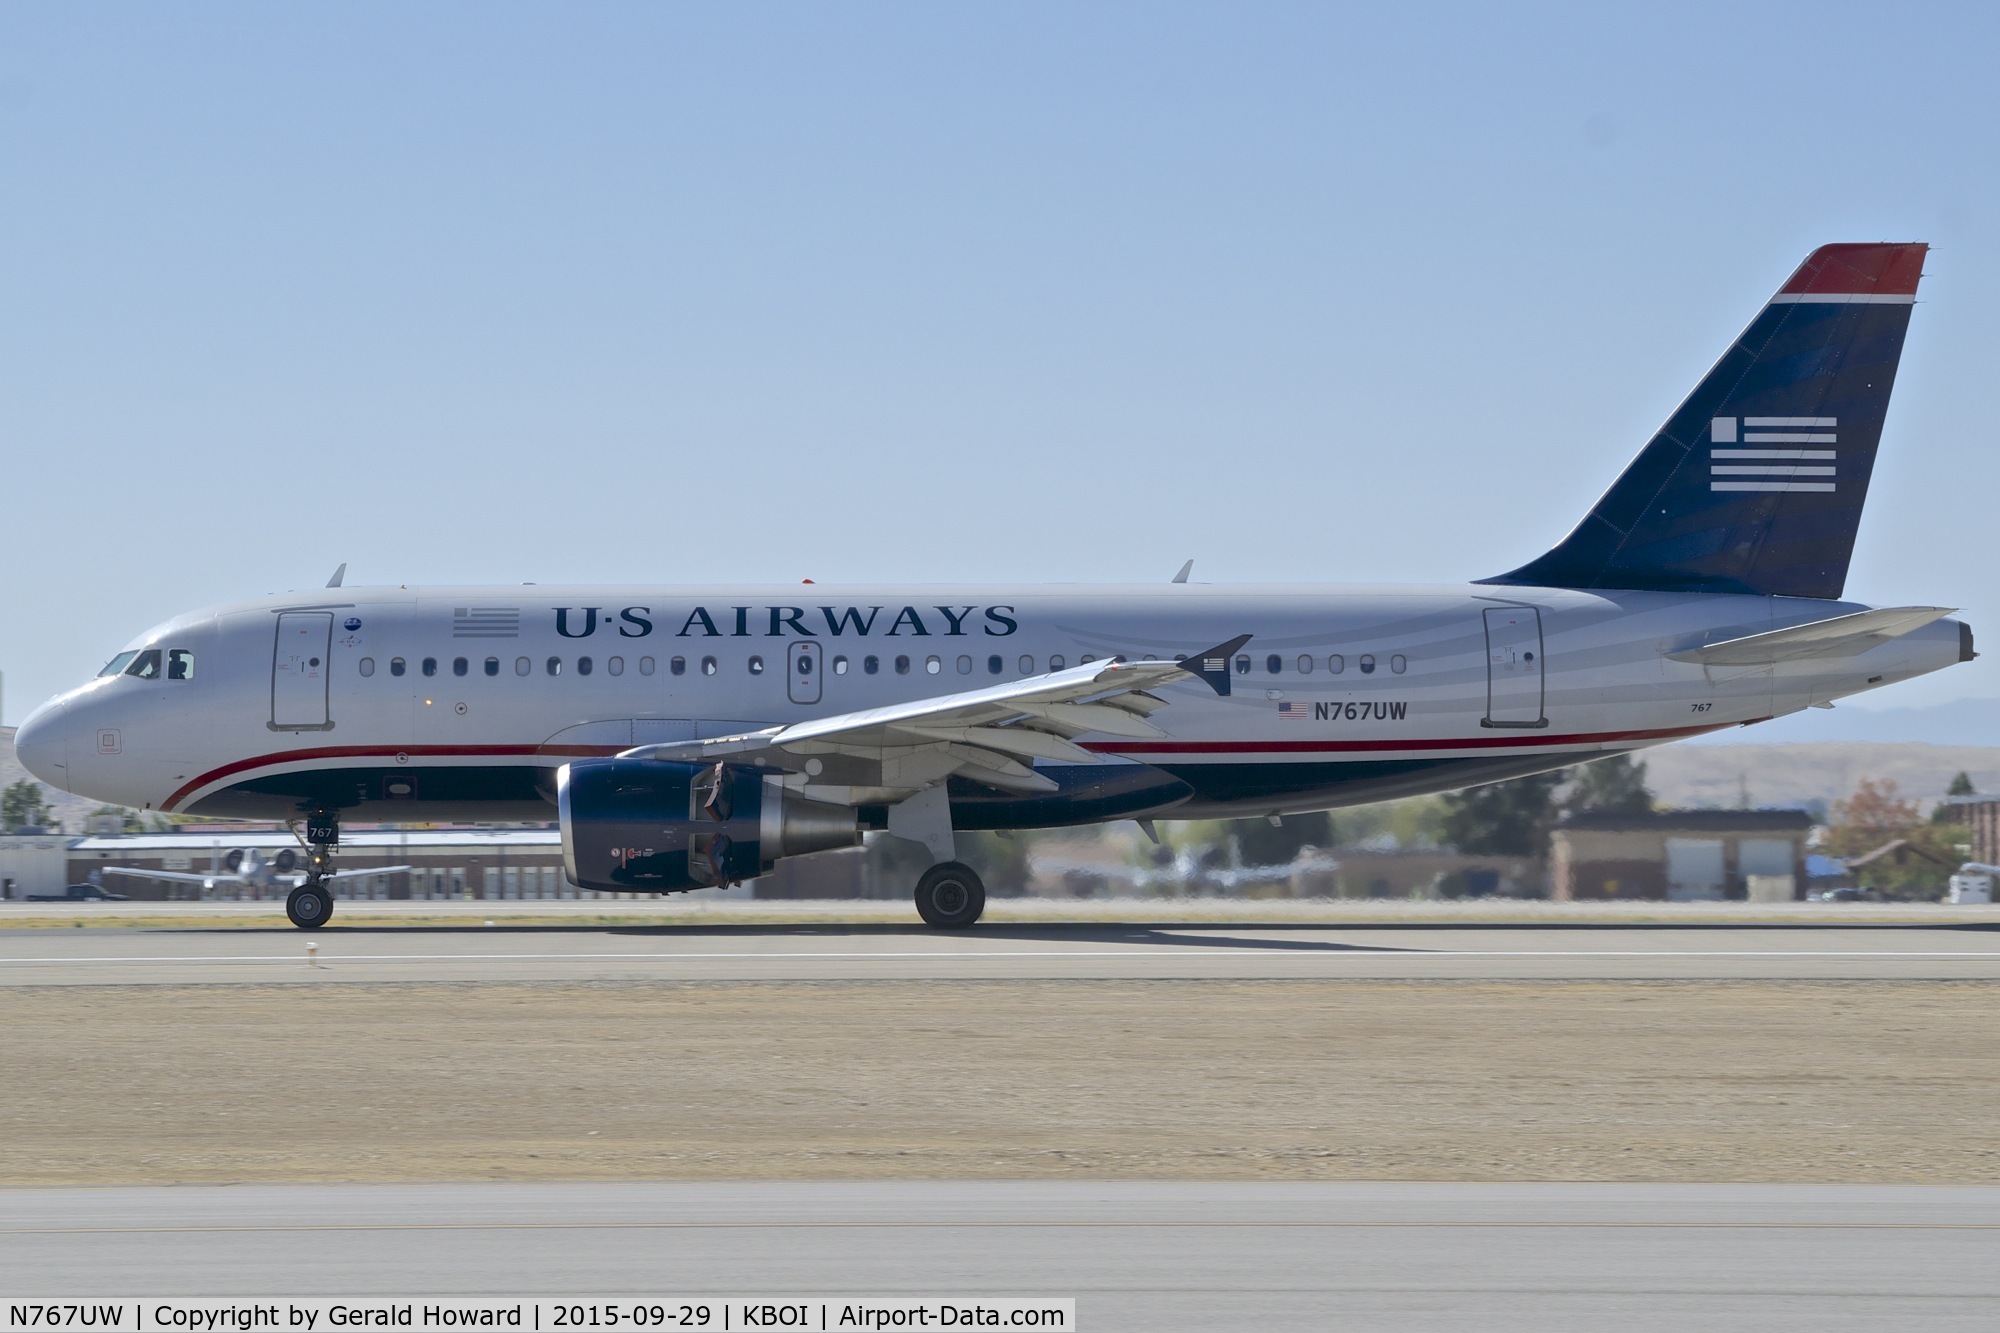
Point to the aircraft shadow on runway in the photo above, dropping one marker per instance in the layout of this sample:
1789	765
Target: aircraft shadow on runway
1175	934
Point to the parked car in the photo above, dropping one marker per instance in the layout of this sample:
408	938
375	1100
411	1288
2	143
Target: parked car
79	893
1844	895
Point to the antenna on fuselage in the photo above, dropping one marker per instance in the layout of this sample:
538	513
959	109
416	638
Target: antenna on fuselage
1186	570
338	575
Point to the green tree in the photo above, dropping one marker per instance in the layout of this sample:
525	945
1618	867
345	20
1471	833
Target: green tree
1613	786
1503	818
1944	812
1261	843
1000	859
23	806
129	821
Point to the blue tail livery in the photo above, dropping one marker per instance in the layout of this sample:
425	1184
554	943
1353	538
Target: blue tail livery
1755	484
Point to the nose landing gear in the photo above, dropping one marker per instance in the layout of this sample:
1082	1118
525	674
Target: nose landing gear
310	905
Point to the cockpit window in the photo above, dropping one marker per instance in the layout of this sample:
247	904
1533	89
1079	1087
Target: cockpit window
116	666
180	664
146	666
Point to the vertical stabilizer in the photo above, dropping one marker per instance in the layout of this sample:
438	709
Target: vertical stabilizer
1756	482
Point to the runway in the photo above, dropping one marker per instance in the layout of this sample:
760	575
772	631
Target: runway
1134	1255
377	953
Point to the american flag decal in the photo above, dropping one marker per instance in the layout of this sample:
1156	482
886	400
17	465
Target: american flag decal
1787	468
485	622
1291	712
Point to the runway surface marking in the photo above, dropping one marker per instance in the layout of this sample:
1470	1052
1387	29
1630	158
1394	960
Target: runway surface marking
1213	951
978	1226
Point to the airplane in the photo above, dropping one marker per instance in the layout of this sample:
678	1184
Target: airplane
247	869
692	736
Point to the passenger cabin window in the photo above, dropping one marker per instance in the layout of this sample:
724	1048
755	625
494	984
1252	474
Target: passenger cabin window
902	666
708	666
615	665
583	666
1274	664
1056	661
932	664
1336	664
554	666
492	666
756	665
459	666
1305	664
180	664
1399	664
367	665
116	666
677	665
397	666
1367	662
839	666
995	664
146	666
430	666
523	667
1027	665
1243	666
964	666
645	666
871	665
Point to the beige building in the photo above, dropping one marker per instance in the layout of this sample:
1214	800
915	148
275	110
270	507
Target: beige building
1980	815
1680	856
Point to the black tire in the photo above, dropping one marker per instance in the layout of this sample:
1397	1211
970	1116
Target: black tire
950	896
309	906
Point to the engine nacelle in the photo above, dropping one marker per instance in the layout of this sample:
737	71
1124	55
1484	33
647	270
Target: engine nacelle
642	826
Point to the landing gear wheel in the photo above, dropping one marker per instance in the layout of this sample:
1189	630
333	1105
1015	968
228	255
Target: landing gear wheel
309	906
950	896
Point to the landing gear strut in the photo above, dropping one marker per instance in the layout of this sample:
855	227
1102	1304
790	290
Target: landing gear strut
950	896
310	905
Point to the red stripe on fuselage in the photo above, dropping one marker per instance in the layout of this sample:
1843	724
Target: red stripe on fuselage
1514	740
1517	740
390	752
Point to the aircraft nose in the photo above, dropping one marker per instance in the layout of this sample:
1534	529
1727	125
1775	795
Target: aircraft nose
42	744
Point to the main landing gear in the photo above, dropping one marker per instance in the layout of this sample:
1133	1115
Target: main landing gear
950	896
310	905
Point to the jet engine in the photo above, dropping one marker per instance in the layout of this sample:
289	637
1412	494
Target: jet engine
645	826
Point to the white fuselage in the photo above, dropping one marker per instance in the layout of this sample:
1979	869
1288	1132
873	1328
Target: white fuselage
458	703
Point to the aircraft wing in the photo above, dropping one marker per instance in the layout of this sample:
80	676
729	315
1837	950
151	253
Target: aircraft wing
1839	636
298	879
174	876
993	734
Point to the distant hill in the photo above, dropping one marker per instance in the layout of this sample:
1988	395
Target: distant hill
1811	774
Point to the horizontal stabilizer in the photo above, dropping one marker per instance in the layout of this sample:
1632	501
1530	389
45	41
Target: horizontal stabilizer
1841	636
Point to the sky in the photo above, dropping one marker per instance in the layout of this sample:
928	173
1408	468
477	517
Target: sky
658	293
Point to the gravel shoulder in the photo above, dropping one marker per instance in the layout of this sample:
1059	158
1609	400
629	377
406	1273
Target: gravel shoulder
1746	1081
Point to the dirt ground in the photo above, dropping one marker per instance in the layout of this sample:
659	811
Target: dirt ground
1749	1081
